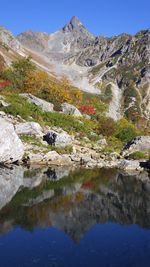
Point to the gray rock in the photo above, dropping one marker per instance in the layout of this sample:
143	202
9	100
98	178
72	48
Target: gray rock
44	105
35	157
51	156
102	142
3	103
10	181
129	165
141	143
28	128
63	139
70	110
11	147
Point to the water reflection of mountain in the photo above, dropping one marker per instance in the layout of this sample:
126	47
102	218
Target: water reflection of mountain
74	203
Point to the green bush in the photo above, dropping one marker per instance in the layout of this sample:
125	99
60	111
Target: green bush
126	134
138	155
106	126
113	145
30	112
125	131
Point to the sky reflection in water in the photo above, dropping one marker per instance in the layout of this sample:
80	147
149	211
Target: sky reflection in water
89	218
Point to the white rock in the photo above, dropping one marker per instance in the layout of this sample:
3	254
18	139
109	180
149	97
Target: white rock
52	155
44	105
102	142
28	128
11	147
63	139
37	157
129	165
70	110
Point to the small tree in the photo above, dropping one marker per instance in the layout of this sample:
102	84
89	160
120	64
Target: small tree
18	72
106	126
125	131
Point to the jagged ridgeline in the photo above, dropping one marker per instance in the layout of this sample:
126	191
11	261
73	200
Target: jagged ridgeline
116	68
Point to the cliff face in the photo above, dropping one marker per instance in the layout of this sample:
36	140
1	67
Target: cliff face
118	68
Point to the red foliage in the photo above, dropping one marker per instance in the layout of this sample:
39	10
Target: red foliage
88	109
88	185
4	84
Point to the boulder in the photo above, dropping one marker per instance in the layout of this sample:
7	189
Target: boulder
11	147
3	103
102	142
28	128
52	155
129	165
35	157
58	160
70	110
44	105
62	138
140	143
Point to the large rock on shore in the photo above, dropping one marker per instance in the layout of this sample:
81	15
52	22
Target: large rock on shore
129	165
11	147
28	128
62	137
140	143
44	105
70	110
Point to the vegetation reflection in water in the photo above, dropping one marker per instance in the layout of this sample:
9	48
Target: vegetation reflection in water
78	201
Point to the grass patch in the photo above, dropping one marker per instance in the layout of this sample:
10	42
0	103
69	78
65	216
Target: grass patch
138	155
30	112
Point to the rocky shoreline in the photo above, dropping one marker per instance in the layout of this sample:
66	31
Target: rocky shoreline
22	142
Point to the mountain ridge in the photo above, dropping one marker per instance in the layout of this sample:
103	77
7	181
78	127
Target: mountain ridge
117	67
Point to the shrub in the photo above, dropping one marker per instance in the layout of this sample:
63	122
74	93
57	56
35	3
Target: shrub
106	126
88	109
18	72
125	131
20	106
138	155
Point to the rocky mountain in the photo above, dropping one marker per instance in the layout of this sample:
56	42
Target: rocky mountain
117	68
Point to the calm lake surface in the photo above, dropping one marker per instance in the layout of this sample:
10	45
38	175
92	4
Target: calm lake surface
64	218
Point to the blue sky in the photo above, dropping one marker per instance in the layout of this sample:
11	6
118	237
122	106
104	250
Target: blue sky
101	17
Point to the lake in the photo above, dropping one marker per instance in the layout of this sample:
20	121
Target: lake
70	218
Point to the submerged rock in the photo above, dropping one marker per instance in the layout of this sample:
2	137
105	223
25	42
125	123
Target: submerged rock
11	147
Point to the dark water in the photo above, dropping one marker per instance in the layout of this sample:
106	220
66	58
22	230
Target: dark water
87	218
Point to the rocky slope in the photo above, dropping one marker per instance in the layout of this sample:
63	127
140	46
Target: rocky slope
117	68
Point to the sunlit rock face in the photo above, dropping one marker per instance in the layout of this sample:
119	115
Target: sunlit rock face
117	68
11	147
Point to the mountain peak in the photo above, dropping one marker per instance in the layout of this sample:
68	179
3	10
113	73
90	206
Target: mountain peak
73	24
